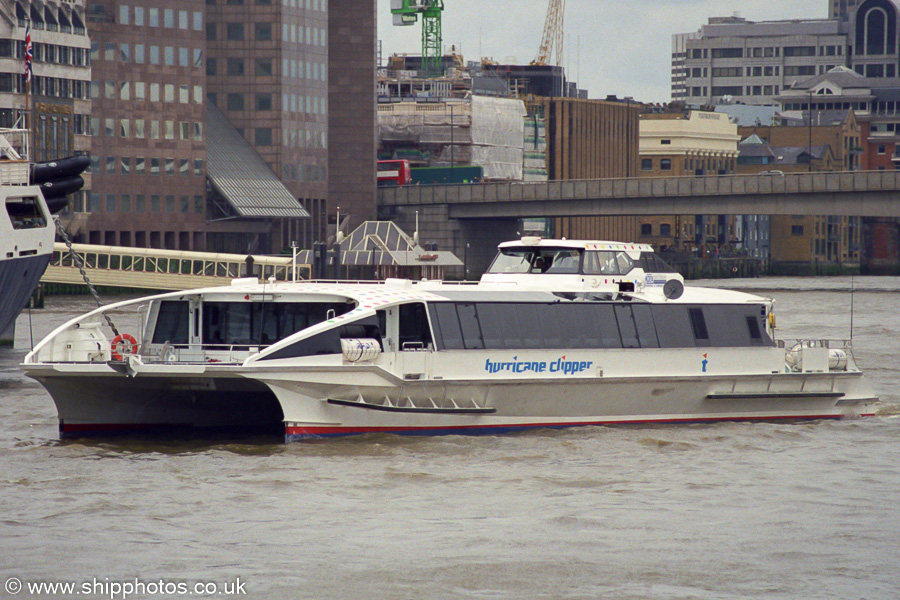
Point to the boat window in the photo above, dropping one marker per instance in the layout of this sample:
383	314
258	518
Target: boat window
627	327
565	261
537	260
625	263
171	323
589	329
554	331
673	326
367	328
263	323
723	324
652	263
561	325
513	260
698	326
753	327
609	330
492	320
329	341
447	325
600	263
513	326
529	315
646	328
415	332
468	323
25	213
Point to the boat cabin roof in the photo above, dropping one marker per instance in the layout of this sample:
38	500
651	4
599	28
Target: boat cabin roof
534	241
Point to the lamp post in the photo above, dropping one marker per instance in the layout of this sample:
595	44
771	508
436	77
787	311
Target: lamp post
809	133
452	145
628	134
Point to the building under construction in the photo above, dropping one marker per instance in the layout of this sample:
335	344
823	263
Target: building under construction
449	132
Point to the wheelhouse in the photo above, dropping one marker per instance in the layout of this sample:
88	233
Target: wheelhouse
556	260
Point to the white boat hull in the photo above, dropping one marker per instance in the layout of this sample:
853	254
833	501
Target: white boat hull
477	407
317	402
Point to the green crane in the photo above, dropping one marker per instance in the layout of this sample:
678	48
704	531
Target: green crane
406	12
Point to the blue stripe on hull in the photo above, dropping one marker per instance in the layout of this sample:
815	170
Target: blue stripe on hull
18	278
319	433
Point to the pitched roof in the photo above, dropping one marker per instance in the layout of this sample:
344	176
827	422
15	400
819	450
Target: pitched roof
241	176
383	243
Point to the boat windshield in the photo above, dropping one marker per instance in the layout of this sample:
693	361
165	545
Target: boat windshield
537	260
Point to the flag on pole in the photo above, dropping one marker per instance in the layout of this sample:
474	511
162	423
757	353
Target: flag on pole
29	52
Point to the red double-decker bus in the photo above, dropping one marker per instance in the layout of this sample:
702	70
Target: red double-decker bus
393	172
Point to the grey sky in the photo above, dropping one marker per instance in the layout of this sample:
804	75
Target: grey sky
612	47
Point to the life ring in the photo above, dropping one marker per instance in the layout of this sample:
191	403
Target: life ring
124	343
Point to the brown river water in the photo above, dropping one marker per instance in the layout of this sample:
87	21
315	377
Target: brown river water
714	511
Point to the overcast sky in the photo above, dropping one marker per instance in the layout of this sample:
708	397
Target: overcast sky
620	47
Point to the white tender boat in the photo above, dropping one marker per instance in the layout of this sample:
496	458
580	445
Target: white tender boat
557	334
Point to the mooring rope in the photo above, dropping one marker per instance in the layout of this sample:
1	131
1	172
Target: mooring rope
80	264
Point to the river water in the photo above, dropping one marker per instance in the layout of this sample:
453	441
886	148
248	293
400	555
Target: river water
720	511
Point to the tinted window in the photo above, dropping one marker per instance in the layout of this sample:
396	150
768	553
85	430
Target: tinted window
447	326
576	319
245	323
493	322
172	322
529	319
560	325
652	263
643	319
753	327
606	318
414	329
327	342
554	330
673	327
471	330
627	327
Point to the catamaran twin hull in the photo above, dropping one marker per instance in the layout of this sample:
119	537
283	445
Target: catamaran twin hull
559	333
528	390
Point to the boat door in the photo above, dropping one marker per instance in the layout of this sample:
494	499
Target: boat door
194	351
414	340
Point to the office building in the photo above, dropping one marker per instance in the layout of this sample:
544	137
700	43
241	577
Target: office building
733	60
58	103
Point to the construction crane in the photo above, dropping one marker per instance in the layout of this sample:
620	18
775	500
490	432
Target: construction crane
553	34
406	12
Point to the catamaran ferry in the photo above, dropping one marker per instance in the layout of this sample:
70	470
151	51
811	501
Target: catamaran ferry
558	333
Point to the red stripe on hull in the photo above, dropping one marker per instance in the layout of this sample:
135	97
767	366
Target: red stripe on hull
300	432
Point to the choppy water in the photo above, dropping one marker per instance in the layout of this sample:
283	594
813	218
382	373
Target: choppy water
723	511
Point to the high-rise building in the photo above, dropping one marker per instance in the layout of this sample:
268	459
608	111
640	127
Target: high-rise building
731	59
734	60
148	185
169	78
267	72
58	99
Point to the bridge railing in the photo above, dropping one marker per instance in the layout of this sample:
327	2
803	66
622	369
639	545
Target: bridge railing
640	187
150	268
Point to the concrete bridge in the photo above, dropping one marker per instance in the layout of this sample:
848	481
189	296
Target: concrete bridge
471	219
